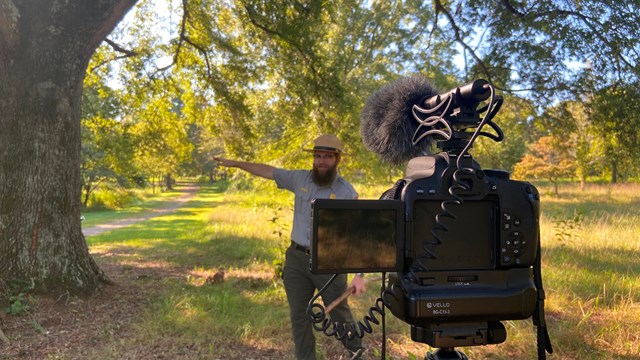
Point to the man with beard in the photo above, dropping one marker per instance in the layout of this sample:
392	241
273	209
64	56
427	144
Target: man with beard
322	181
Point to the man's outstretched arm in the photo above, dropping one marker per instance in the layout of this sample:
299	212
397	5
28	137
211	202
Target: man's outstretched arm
262	170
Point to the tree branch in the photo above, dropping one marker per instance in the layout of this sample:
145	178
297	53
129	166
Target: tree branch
184	38
456	30
126	54
118	48
306	57
591	23
115	13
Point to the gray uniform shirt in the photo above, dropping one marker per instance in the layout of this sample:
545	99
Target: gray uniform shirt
300	183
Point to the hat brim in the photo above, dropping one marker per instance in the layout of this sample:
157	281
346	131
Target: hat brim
325	149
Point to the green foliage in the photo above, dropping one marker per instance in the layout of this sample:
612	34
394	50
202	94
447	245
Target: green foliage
259	80
517	121
614	112
113	197
548	47
19	304
568	229
17	297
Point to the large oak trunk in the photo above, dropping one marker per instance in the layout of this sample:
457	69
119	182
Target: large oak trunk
44	51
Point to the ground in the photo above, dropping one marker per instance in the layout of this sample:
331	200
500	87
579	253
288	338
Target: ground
76	328
67	327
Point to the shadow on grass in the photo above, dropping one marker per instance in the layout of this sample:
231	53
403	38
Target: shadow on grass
585	272
239	318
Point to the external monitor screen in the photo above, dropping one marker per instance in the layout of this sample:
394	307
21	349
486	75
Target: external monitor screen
351	236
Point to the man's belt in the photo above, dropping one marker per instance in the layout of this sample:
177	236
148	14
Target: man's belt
299	247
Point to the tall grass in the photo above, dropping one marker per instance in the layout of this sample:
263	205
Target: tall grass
591	263
591	266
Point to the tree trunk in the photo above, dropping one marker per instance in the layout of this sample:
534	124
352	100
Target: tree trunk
168	182
614	172
45	48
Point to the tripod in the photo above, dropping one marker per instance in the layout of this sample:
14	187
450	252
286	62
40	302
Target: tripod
448	353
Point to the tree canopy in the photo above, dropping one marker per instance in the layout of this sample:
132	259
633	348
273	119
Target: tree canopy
279	73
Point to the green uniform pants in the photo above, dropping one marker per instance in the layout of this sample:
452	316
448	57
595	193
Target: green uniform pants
300	285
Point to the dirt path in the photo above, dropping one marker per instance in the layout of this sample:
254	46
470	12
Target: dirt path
189	191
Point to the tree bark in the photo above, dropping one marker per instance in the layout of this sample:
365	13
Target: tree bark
45	47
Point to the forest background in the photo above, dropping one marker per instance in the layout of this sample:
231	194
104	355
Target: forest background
180	82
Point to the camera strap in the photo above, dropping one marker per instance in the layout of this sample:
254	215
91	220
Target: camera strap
544	342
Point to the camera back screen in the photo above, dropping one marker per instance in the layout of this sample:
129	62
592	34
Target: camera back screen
356	235
469	241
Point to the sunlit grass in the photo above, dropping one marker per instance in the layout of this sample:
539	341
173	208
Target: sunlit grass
146	201
591	240
591	247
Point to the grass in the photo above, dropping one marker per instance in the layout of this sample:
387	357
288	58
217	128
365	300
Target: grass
591	240
145	201
210	233
591	268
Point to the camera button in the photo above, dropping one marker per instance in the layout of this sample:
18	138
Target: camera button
427	281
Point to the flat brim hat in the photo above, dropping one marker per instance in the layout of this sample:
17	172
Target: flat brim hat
328	143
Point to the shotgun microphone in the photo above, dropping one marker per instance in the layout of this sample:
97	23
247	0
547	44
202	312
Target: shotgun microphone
387	123
401	120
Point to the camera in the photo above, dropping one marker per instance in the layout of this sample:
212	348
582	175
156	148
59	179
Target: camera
460	243
467	261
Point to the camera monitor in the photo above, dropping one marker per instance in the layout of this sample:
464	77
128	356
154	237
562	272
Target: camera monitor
350	235
469	241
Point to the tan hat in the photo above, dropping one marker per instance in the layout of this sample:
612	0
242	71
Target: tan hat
327	142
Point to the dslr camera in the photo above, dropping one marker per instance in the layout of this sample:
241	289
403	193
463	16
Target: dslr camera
460	243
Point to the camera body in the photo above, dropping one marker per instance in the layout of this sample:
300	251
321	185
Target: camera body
470	241
461	244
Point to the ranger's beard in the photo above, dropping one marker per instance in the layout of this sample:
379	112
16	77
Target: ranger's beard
325	176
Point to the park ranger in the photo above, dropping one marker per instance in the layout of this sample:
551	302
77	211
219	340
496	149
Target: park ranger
322	181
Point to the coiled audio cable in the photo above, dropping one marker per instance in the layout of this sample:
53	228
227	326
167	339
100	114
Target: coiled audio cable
321	322
457	188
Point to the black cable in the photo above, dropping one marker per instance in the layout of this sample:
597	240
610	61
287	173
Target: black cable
457	187
320	322
384	324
